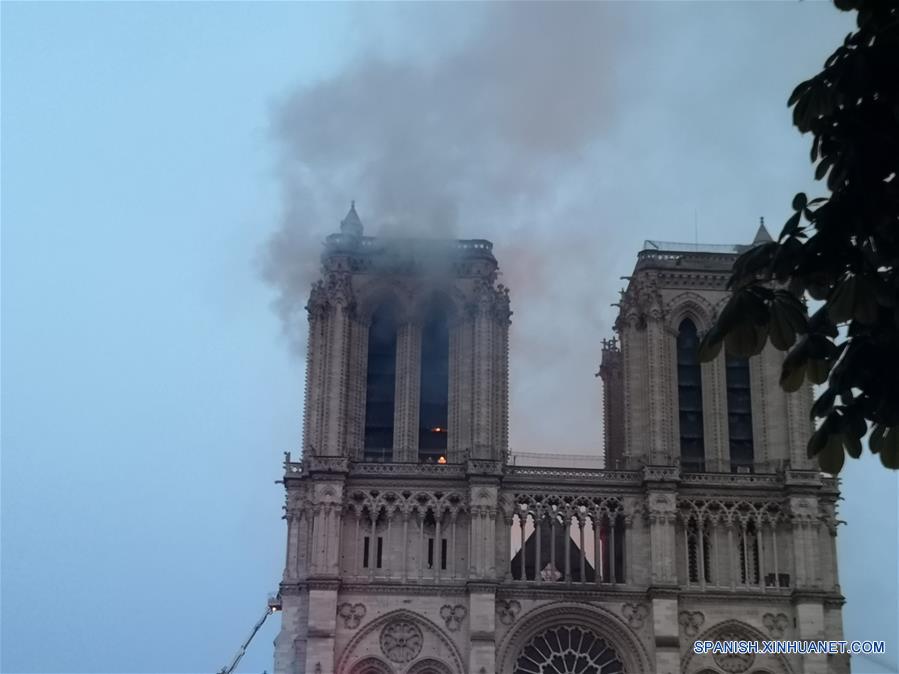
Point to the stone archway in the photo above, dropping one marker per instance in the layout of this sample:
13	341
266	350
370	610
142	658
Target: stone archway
575	639
401	638
429	666
568	650
371	665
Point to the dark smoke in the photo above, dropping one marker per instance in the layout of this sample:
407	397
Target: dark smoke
477	143
566	133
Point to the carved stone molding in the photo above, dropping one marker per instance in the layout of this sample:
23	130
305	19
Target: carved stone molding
507	610
453	616
635	614
352	614
691	622
775	624
326	464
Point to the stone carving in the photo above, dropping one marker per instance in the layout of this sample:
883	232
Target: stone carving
775	624
570	650
507	610
690	622
352	614
733	663
635	614
453	616
550	573
325	464
401	641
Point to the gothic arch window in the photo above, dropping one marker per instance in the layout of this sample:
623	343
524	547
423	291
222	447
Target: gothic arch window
689	395
749	555
433	406
568	650
699	558
739	413
380	385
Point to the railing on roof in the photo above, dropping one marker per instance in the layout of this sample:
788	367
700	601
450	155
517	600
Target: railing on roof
675	247
375	243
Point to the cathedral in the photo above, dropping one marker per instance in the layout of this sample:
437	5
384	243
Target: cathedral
416	544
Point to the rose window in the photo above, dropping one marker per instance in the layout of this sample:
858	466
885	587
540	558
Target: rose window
401	641
568	650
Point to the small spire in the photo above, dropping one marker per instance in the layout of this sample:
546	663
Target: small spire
351	224
762	235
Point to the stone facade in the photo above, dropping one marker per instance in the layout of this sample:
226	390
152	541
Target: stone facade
400	563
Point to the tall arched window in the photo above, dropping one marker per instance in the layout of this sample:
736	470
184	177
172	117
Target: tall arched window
380	386
749	555
739	414
699	559
433	409
689	395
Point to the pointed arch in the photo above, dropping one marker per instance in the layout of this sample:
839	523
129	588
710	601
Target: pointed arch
596	619
429	666
371	665
365	640
433	400
689	395
739	413
693	306
378	292
380	383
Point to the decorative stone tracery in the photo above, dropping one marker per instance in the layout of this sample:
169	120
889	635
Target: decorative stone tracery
568	650
453	616
401	641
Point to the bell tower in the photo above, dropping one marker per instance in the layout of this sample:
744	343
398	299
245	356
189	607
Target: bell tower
408	350
406	371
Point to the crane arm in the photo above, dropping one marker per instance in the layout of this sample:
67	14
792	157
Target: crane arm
273	606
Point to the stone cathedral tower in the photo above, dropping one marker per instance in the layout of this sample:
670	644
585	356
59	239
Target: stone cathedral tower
415	546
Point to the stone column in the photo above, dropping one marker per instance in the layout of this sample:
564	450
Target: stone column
484	362
482	622
338	365
355	422
501	315
313	412
657	361
290	644
324	578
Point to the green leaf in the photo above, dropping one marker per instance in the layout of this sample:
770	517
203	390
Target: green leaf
824	404
817	370
889	452
875	442
800	89
792	372
853	445
731	314
799	201
865	310
817	442
823	167
791	225
855	422
842	300
832	457
786	320
710	345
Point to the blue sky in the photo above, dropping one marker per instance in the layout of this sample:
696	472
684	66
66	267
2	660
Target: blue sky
167	172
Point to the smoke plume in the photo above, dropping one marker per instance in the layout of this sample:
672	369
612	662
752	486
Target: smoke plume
521	123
